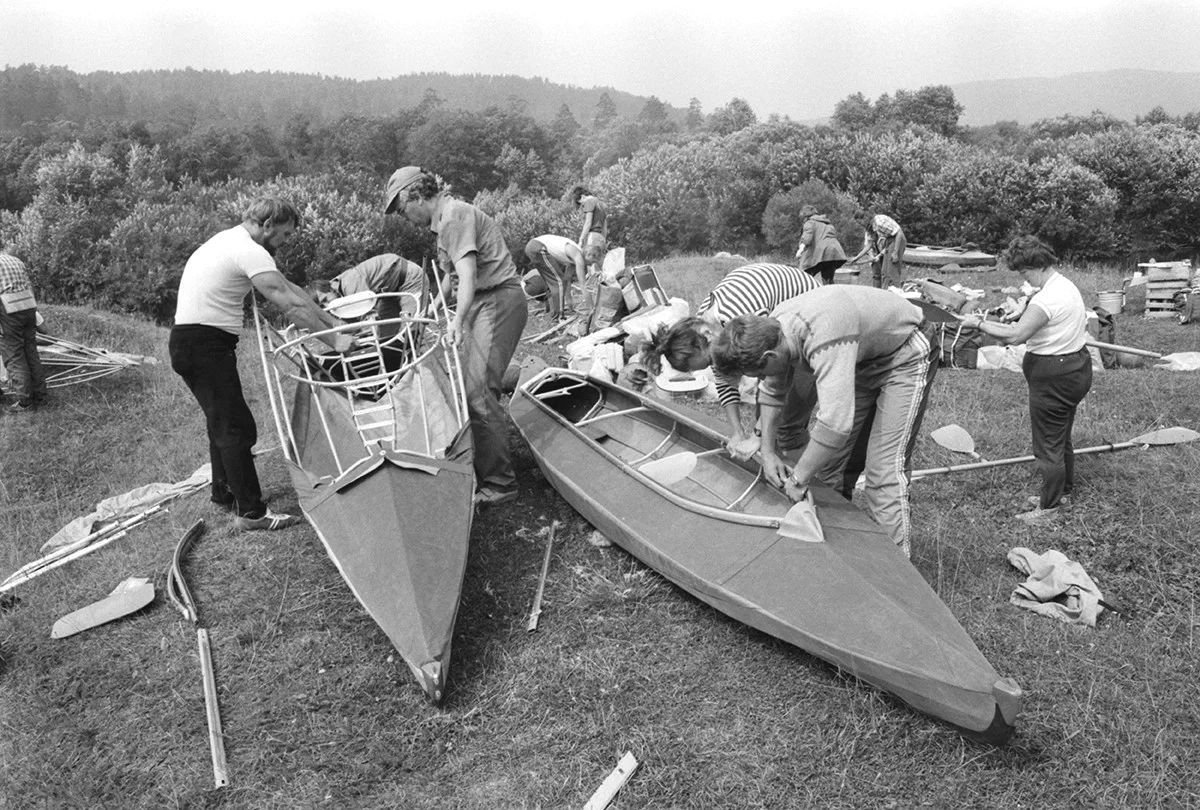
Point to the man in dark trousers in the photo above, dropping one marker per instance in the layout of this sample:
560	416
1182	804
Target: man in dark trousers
18	335
203	345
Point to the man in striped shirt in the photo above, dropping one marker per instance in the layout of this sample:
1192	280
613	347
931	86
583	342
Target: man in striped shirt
18	335
884	240
752	289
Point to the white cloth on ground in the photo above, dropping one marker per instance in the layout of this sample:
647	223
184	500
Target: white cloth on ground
1057	586
127	505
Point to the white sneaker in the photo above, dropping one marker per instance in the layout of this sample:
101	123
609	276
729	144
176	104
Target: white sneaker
1039	517
270	521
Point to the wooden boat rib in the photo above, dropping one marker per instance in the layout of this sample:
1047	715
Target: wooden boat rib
379	449
66	362
852	600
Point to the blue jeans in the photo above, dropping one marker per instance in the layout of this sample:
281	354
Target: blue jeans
18	347
491	331
206	358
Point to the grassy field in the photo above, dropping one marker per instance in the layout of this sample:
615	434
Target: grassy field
319	712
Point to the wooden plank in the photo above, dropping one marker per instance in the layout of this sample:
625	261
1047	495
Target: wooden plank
612	783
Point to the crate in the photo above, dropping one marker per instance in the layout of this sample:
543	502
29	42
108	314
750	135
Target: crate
1162	283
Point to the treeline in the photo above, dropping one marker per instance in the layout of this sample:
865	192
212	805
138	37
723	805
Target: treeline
202	98
108	211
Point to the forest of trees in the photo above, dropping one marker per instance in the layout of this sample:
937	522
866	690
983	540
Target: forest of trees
108	181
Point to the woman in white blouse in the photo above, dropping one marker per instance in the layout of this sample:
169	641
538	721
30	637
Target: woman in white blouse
1056	366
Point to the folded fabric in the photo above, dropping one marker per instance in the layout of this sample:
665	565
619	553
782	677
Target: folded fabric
128	504
1057	586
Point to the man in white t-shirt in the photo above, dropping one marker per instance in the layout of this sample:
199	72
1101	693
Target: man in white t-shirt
203	345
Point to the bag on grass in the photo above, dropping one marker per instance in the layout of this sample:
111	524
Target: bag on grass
960	345
1103	328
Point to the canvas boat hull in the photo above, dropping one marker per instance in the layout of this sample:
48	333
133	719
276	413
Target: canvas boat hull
852	600
383	472
935	256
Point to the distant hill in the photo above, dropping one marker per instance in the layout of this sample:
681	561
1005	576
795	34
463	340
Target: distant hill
1124	94
31	93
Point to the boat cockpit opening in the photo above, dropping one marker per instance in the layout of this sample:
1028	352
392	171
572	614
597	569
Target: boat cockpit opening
573	399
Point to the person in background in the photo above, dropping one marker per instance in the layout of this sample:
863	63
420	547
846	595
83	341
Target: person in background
385	273
402	288
874	362
18	336
558	260
752	289
593	235
820	252
883	241
490	315
204	338
1057	367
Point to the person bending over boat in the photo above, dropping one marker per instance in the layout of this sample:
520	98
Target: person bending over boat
382	274
874	362
752	289
491	311
884	240
557	260
203	344
1057	367
820	252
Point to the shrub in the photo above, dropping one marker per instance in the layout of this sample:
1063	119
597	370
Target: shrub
781	222
522	216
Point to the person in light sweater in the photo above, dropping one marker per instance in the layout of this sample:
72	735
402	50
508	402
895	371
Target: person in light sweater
874	362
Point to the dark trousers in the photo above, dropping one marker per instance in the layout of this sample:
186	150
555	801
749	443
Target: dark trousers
206	358
18	348
1057	384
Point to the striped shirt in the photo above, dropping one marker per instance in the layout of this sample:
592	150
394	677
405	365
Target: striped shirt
13	277
752	289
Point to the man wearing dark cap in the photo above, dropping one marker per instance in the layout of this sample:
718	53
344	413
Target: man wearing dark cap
490	315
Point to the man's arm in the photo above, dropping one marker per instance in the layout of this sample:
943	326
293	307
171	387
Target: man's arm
587	226
299	308
466	270
774	468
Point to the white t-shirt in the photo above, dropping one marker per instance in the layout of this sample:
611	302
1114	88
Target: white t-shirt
217	277
556	246
1066	331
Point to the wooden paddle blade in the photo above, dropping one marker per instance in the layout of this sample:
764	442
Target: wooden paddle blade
670	469
954	437
131	595
1163	436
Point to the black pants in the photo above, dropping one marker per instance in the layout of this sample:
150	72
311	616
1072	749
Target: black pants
1057	384
206	358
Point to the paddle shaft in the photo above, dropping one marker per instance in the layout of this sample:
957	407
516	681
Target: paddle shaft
536	612
216	741
1124	349
981	465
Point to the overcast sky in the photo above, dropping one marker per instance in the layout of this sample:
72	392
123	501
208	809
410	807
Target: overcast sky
791	57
